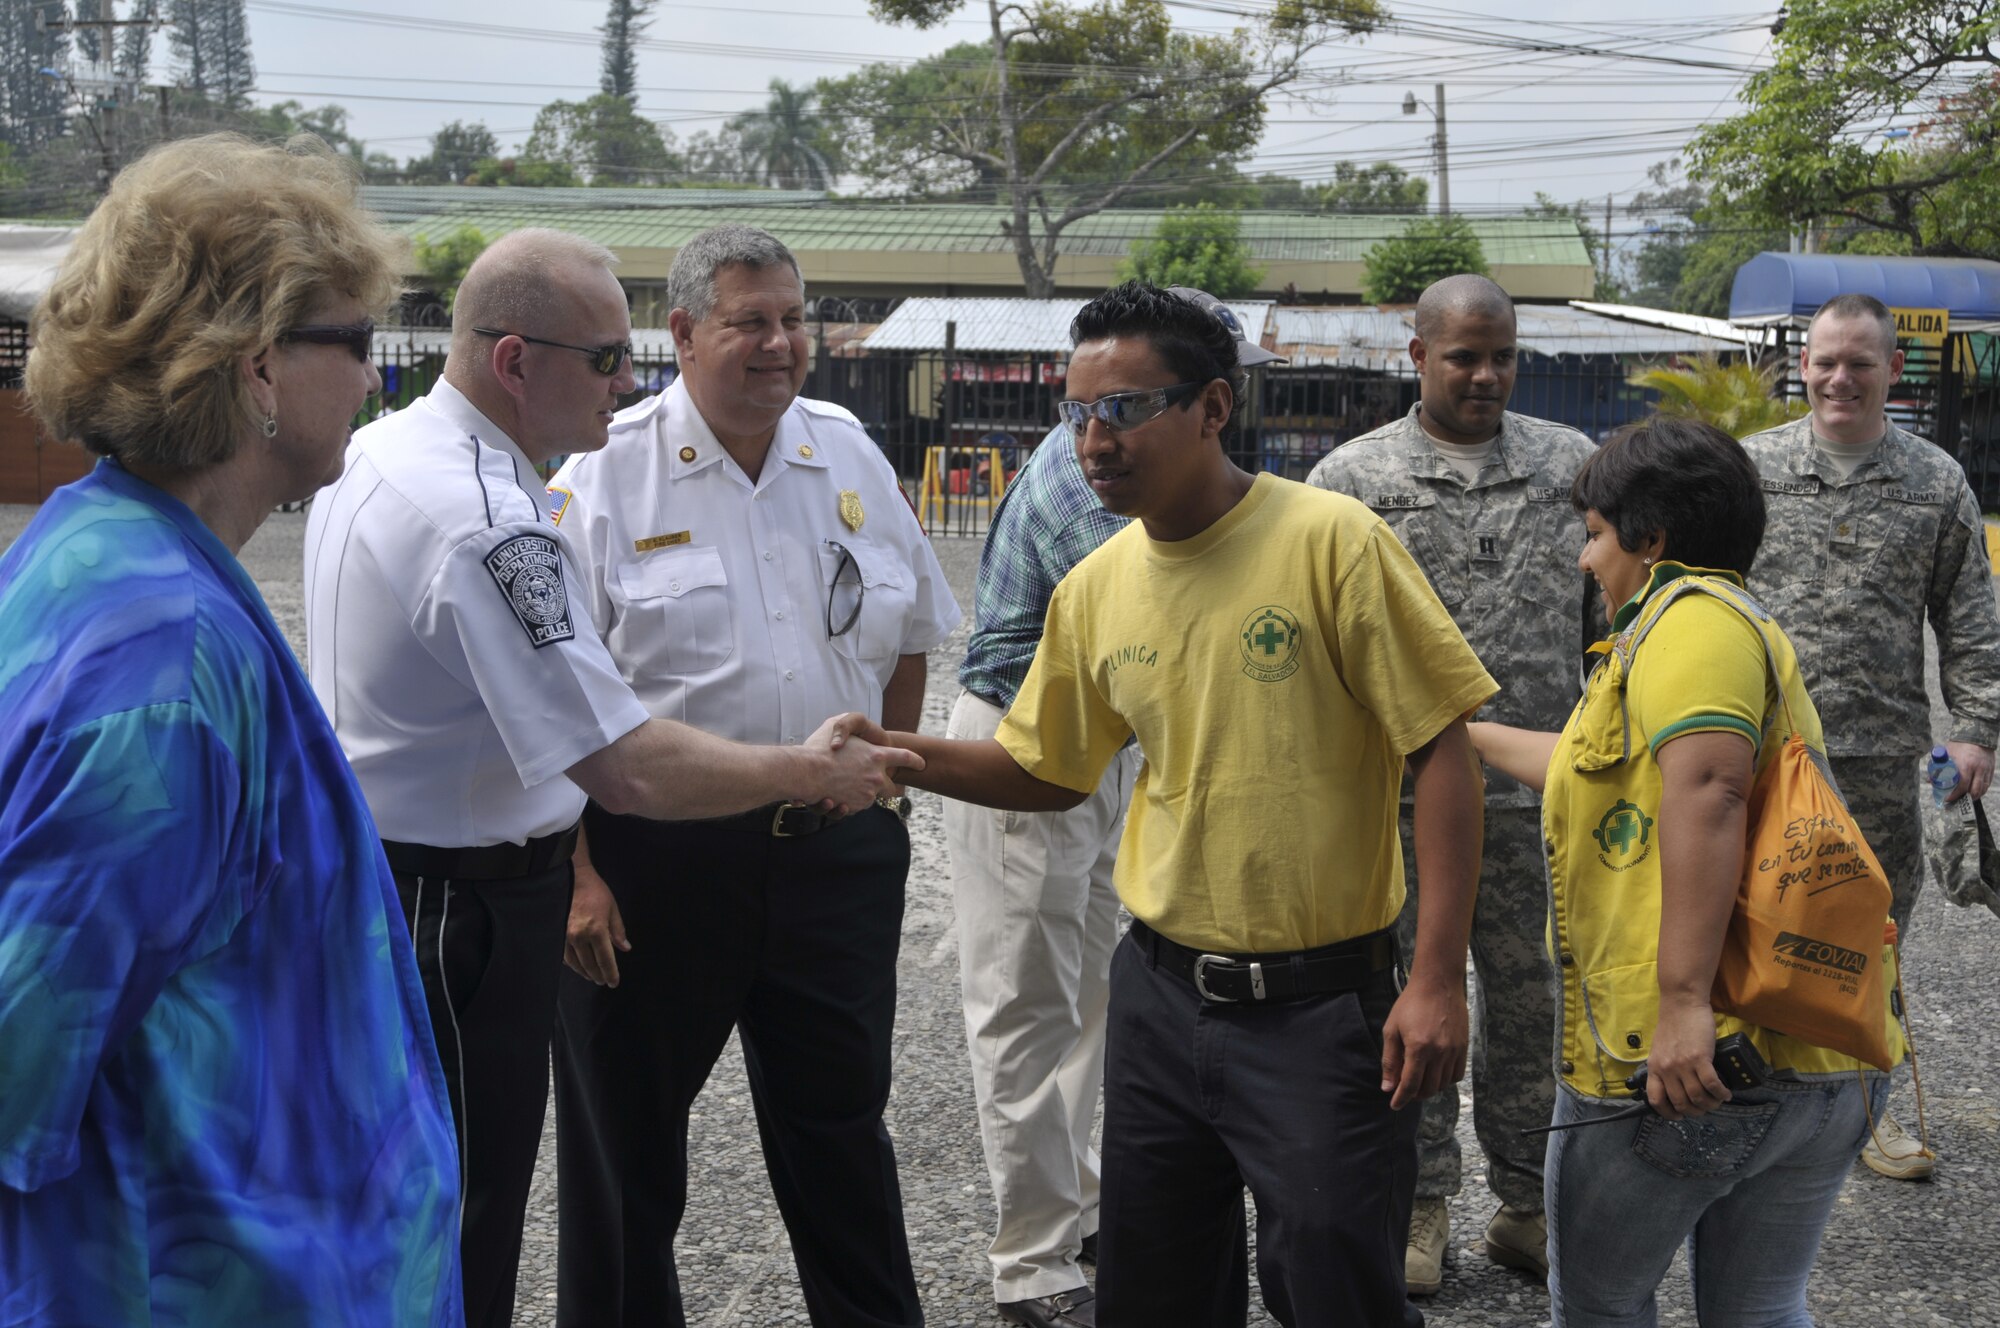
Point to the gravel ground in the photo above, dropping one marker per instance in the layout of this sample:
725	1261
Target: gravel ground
1896	1253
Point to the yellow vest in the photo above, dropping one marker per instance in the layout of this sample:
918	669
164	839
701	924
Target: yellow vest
1600	809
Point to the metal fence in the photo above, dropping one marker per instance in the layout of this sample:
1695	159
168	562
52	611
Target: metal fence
956	426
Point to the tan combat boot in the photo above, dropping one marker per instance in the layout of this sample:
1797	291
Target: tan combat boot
1423	1261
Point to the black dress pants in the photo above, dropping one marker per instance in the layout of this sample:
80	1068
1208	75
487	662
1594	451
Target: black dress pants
1203	1099
793	942
490	955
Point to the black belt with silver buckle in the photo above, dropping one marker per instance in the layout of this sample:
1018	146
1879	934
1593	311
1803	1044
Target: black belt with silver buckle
1227	979
488	862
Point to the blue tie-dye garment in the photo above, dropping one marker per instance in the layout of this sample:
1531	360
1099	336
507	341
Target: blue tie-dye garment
219	1099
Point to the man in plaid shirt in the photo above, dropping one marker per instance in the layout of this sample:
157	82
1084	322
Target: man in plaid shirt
1036	912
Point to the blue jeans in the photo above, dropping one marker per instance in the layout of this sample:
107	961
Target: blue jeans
1748	1187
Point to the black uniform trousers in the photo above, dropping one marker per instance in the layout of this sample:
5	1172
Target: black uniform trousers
793	942
490	955
1202	1099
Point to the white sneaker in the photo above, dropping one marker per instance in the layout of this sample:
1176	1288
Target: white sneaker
1897	1156
1423	1261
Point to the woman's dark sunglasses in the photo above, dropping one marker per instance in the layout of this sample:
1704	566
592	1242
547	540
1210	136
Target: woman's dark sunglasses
605	359
357	337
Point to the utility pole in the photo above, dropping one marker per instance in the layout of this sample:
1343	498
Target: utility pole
1410	103
1606	246
1444	159
100	90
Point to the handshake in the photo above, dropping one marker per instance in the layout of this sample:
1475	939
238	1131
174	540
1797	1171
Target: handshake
851	763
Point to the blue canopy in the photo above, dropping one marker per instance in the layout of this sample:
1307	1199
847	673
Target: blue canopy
1786	289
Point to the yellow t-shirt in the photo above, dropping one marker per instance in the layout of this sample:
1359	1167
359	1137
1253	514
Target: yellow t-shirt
1701	668
1276	668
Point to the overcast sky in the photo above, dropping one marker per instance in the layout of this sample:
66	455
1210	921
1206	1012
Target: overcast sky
1574	126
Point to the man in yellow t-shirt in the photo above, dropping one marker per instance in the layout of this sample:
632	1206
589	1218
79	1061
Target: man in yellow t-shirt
1279	657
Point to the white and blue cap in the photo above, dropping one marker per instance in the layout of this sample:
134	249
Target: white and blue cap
1248	353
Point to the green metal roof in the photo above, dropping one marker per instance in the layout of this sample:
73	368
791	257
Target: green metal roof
808	224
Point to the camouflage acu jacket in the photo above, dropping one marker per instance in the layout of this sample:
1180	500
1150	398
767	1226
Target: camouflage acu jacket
1500	552
1852	568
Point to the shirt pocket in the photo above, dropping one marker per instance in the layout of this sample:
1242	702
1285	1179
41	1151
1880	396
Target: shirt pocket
672	611
1545	573
887	600
1409	517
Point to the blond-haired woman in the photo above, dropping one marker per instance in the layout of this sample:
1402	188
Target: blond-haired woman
219	1098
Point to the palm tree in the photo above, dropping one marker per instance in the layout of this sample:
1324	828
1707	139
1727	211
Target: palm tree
1734	397
787	144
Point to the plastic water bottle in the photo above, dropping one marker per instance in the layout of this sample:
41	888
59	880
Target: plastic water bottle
1941	774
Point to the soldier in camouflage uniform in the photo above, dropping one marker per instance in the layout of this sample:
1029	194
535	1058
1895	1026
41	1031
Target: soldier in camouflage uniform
1480	497
1871	531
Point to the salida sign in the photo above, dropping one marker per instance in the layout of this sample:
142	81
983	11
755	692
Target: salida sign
1929	326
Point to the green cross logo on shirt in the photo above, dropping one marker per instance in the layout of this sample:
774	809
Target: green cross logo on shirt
1623	835
1270	644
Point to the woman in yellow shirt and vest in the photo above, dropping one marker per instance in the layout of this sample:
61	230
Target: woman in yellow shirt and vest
1644	810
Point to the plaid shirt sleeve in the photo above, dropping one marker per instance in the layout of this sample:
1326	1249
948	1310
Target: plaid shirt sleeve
1049	522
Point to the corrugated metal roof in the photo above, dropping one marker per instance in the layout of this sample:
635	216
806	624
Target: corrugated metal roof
1363	337
931	227
1557	330
1005	325
402	201
1719	328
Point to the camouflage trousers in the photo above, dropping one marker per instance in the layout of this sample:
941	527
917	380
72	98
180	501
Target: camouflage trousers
1882	792
1513	1018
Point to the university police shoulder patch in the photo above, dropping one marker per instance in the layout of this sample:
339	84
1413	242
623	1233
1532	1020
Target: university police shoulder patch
528	570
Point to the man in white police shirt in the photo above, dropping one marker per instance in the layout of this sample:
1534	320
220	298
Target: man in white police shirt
755	568
478	704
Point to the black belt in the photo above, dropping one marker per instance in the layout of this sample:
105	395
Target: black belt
488	862
781	820
1343	966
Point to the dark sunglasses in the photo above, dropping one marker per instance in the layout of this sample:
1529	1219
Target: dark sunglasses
357	337
846	581
605	359
1126	410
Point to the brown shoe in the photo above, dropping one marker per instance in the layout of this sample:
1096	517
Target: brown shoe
1065	1309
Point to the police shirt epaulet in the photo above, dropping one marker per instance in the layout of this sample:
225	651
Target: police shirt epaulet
829	409
637	414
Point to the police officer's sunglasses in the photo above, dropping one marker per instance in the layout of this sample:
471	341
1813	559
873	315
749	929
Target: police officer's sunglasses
844	595
605	359
1126	410
357	337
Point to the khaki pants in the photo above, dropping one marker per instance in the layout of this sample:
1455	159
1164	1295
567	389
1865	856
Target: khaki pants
1037	921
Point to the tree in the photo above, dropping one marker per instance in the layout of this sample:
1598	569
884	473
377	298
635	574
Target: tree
1200	246
33	106
1735	397
1396	271
624	24
1880	114
135	47
523	173
788	144
444	263
456	151
1382	187
212	50
1594	245
602	141
1070	108
717	158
